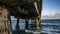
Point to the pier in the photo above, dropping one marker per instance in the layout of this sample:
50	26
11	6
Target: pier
20	9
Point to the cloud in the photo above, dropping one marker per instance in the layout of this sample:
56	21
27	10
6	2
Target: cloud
55	16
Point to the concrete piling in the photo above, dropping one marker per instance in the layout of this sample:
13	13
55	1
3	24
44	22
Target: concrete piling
5	20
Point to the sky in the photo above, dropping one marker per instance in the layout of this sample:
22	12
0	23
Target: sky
51	7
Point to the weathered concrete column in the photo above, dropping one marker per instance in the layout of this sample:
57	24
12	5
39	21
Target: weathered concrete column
17	24
37	24
38	19
26	24
5	20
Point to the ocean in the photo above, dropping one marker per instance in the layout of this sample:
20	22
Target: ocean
48	26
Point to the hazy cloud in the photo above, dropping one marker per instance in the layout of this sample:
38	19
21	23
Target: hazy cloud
55	16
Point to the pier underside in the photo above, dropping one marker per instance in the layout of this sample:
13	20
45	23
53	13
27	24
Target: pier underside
23	8
24	11
20	9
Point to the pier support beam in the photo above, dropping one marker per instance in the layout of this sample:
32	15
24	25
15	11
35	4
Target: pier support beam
26	24
38	19
5	22
37	24
17	24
